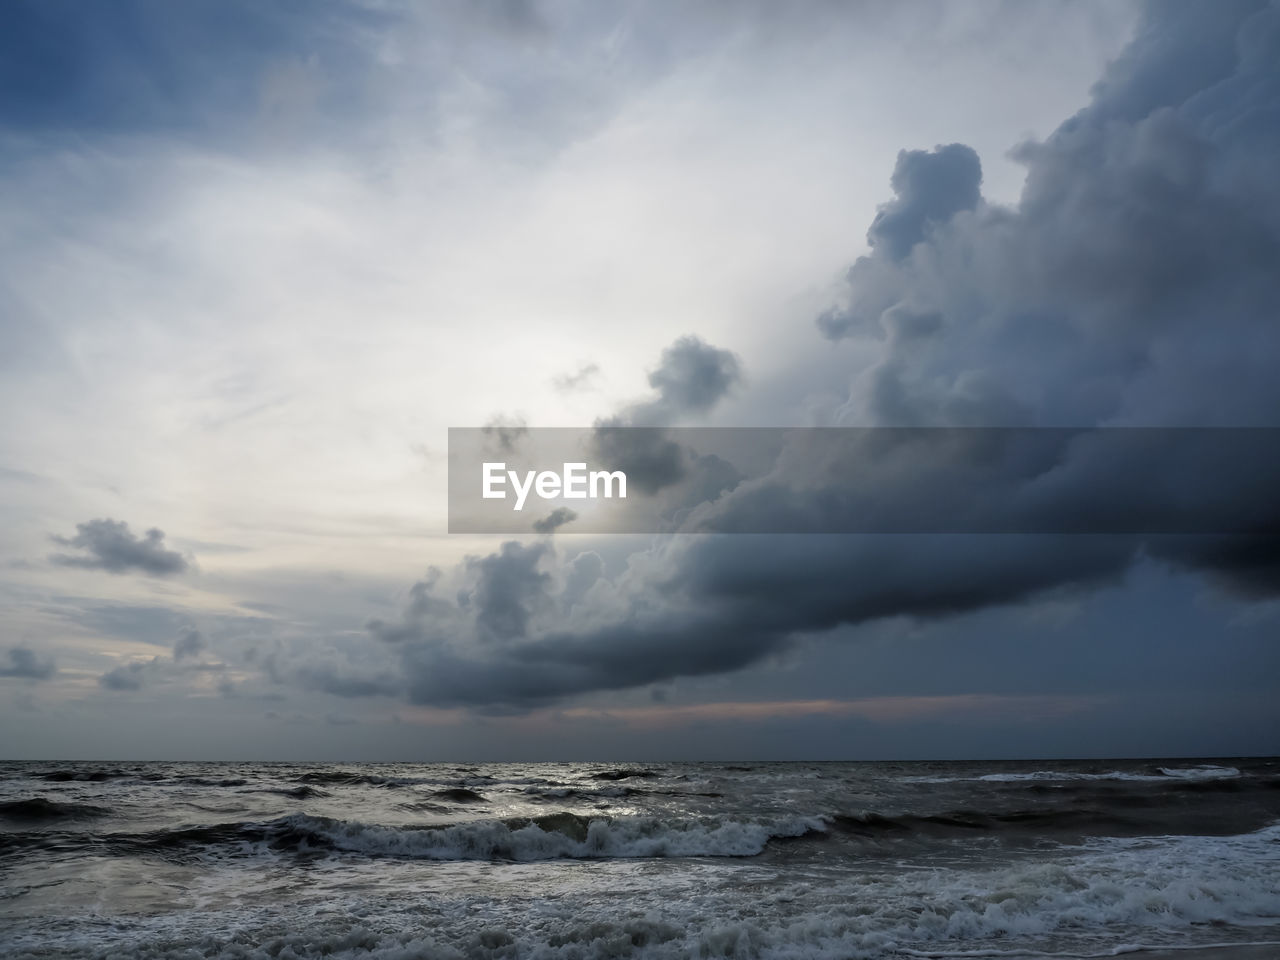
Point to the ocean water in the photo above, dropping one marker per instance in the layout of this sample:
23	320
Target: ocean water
638	860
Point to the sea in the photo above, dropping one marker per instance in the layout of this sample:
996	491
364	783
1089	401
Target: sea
250	861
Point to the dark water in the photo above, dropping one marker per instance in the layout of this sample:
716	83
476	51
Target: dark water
578	860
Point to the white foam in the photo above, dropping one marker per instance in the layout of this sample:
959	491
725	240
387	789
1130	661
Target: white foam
1105	898
1207	772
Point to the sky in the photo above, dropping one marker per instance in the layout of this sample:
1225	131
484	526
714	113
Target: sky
257	259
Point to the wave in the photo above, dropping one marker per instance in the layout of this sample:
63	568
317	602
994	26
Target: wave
206	808
554	793
1082	820
625	774
568	835
1103	899
347	778
302	792
343	778
95	776
460	795
565	793
1066	820
42	808
551	837
1207	772
554	836
424	806
1164	775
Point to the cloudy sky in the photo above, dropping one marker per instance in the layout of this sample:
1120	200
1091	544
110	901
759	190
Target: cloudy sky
256	259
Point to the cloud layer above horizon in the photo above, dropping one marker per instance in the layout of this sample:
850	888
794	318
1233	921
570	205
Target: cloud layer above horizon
496	245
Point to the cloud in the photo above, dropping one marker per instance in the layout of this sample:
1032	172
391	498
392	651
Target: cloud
24	663
1192	483
509	584
505	432
155	625
105	73
701	605
110	546
553	521
128	677
931	187
1135	274
137	674
332	679
1135	277
190	644
578	380
691	378
651	460
582	573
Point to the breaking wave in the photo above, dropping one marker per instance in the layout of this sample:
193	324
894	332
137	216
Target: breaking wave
1111	898
555	836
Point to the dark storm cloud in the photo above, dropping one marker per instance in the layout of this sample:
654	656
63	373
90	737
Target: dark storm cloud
1134	280
508	588
1246	566
690	379
930	188
651	460
1149	481
23	662
710	605
557	666
1136	272
1134	284
109	545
